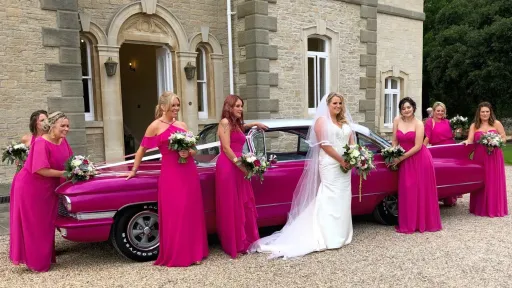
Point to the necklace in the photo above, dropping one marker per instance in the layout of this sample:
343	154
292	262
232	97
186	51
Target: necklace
169	123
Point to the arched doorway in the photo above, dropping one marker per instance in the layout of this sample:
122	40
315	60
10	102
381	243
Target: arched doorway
146	43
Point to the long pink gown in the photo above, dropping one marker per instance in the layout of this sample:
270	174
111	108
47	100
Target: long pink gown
32	230
418	208
440	133
182	228
235	206
491	201
11	200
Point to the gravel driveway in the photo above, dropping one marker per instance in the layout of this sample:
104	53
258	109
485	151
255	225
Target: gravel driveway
468	252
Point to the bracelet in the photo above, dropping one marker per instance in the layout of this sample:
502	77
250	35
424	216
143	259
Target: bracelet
134	169
235	160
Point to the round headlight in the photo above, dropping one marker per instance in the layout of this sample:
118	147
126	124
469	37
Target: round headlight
67	203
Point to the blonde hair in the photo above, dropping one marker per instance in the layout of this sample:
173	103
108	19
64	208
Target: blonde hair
340	118
165	100
52	119
439	104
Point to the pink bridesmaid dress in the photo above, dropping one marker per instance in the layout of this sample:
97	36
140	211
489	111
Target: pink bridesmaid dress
491	201
439	133
235	206
11	200
34	207
182	229
418	208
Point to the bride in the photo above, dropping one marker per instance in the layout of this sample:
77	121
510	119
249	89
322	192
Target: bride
320	217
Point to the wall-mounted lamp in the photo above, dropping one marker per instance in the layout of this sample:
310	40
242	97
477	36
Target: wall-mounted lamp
110	66
132	67
190	71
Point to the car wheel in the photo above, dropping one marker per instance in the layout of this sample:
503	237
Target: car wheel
135	233
387	211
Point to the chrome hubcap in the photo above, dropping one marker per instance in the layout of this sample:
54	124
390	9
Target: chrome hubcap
143	230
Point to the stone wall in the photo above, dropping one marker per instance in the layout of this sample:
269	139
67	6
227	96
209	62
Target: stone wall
292	19
23	88
192	14
399	52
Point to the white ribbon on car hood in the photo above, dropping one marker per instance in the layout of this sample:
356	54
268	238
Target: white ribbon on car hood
156	156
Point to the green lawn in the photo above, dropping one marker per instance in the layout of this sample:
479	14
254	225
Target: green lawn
507	151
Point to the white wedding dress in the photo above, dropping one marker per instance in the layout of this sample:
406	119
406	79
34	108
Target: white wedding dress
326	223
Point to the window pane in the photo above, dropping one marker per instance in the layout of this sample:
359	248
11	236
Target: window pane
394	84
316	45
87	104
200	94
83	52
395	105
311	82
200	64
322	78
386	86
387	109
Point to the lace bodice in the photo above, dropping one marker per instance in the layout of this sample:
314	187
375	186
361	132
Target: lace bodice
338	137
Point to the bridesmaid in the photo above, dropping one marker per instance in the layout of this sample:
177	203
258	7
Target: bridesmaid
439	132
418	208
235	209
32	233
491	201
180	204
35	126
437	129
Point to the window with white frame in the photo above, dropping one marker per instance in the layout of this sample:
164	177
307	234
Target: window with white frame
318	71
391	99
202	87
85	49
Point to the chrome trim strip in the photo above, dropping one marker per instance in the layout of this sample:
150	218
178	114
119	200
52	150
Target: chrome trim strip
93	215
461	184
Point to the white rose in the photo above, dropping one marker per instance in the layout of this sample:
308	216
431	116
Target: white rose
76	163
353	161
355	153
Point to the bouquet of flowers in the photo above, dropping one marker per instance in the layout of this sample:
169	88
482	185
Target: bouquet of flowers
79	168
492	141
390	154
362	159
183	141
459	123
15	153
255	165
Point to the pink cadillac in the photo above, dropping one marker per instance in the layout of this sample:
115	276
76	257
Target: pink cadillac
125	212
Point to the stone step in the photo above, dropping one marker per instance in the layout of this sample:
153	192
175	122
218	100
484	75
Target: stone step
5	190
4	208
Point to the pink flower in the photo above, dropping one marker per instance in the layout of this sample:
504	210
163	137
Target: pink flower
257	163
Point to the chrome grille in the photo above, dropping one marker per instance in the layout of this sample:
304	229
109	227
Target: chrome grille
62	209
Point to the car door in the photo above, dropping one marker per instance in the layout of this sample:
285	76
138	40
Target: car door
273	196
379	183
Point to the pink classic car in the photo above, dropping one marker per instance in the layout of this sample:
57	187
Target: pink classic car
126	213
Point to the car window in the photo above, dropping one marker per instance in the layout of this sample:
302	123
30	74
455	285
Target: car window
258	140
207	136
363	140
286	145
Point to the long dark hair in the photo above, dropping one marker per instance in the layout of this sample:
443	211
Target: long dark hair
492	117
227	112
34	118
407	100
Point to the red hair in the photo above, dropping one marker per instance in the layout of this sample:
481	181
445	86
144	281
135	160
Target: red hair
227	112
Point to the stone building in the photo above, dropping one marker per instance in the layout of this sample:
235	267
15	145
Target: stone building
285	55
